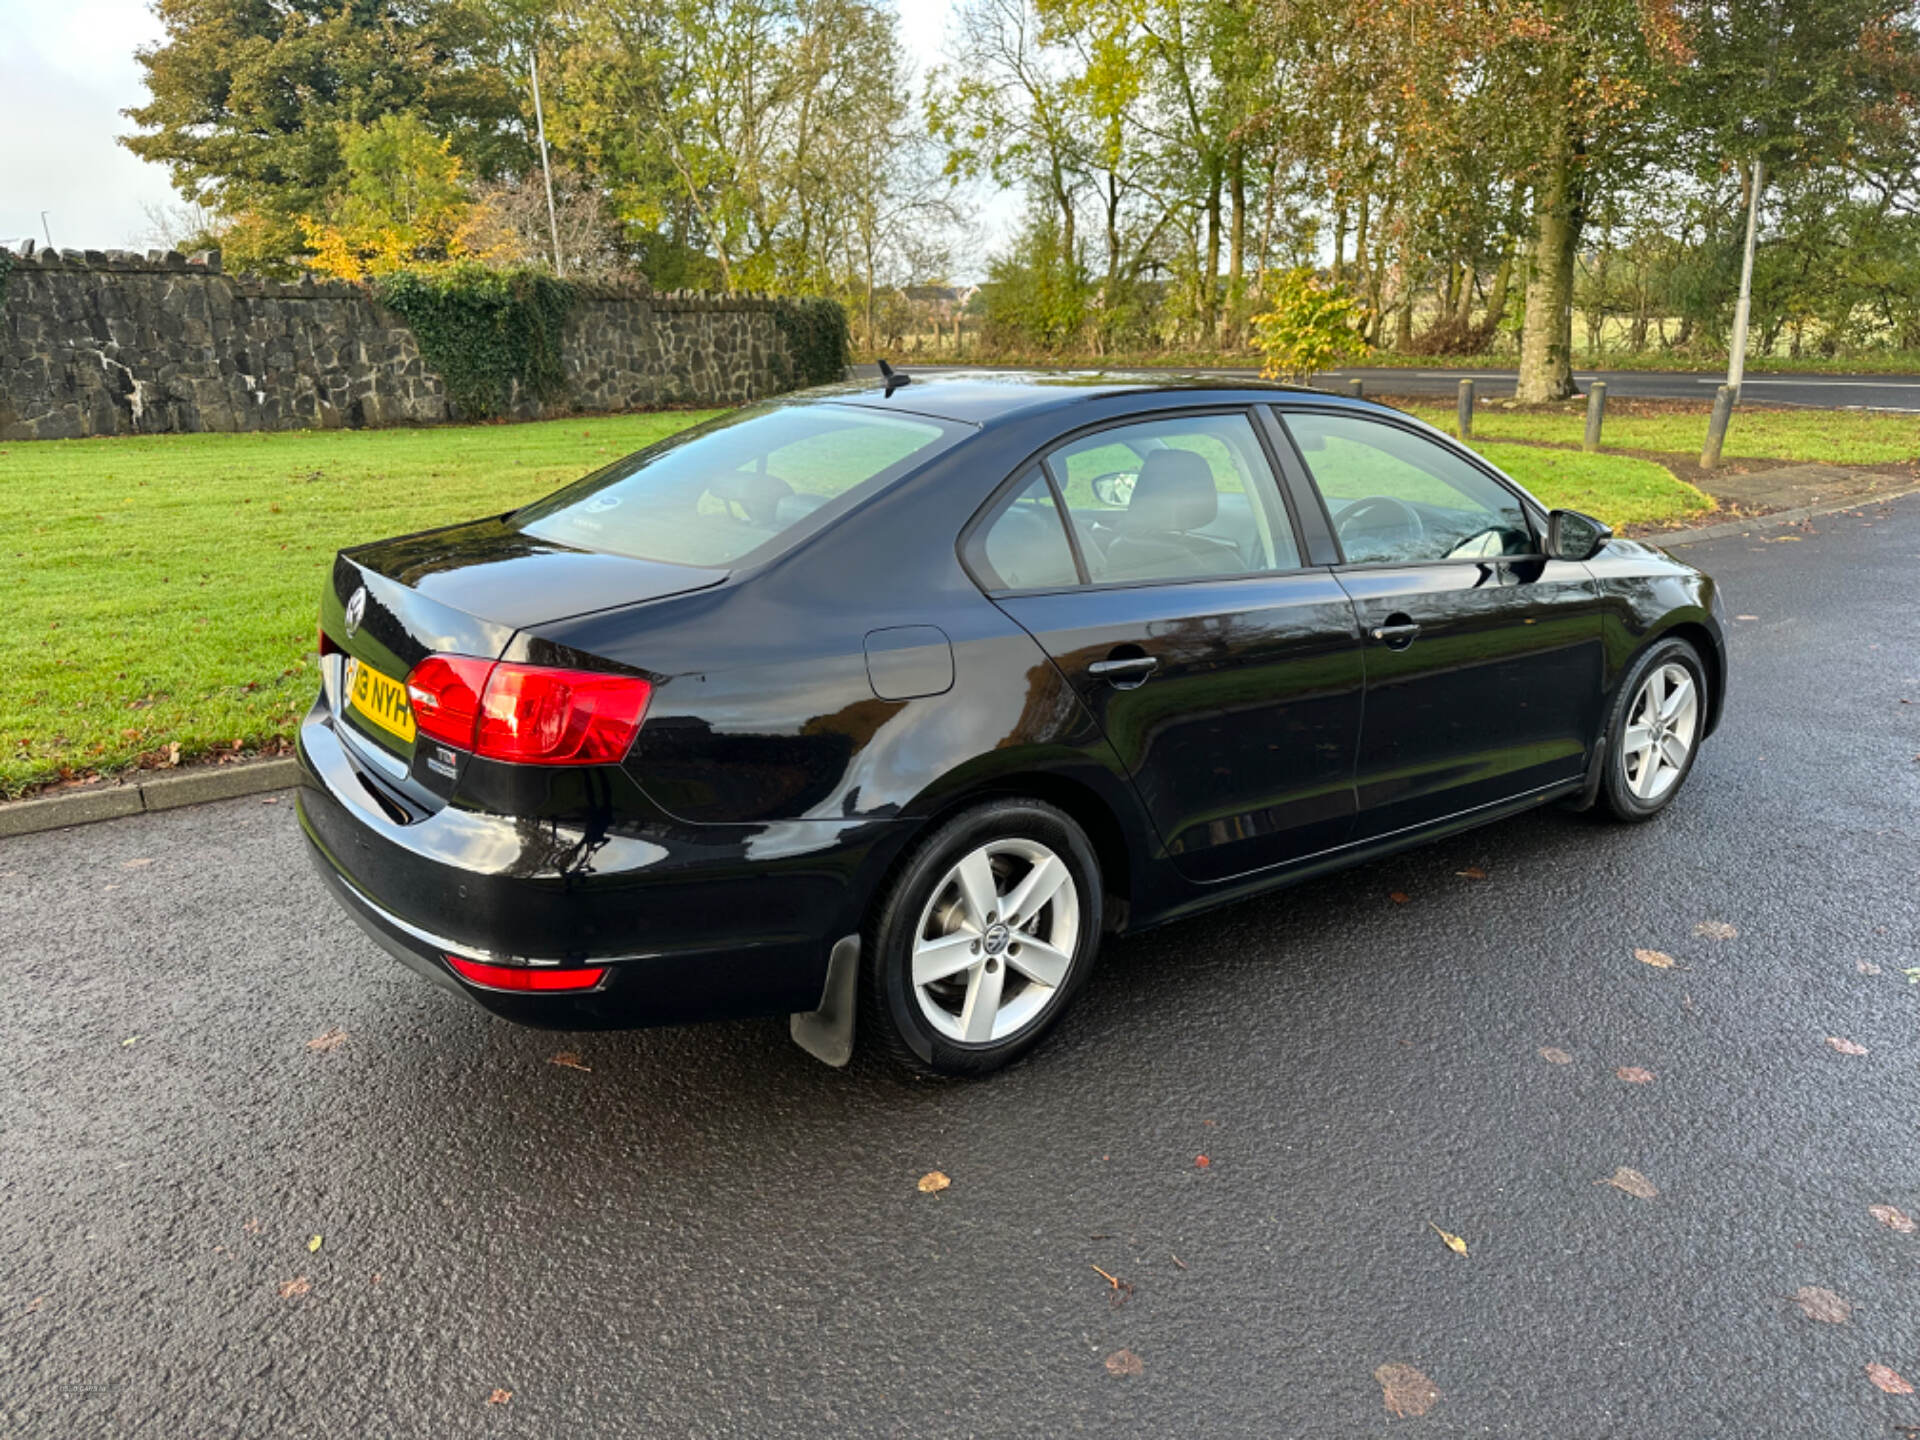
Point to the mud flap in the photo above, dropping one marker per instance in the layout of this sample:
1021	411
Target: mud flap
827	1033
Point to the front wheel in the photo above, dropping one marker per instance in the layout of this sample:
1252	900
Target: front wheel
986	933
1655	731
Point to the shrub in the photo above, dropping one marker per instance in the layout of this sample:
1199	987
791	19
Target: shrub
1309	325
818	346
486	331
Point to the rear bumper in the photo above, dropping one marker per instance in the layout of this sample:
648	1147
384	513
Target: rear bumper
691	922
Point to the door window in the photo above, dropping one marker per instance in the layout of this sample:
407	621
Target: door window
1176	498
1397	497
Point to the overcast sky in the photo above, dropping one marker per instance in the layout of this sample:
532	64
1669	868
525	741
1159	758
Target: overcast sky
67	71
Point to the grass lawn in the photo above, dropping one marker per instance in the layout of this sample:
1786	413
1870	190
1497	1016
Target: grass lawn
1831	437
162	589
1618	489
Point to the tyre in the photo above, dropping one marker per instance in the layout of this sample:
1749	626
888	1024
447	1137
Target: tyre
986	933
1654	731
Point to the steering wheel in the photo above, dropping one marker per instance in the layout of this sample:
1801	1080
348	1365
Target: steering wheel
1382	521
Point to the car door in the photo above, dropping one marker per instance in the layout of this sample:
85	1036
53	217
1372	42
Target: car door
1483	657
1225	673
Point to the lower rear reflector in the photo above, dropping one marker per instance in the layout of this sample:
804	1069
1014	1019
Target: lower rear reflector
525	977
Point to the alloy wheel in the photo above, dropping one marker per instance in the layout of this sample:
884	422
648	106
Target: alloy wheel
1661	728
995	941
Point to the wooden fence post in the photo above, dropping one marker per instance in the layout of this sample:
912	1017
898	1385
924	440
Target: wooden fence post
1464	413
1596	412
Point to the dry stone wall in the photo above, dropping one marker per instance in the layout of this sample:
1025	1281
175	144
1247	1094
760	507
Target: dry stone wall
114	343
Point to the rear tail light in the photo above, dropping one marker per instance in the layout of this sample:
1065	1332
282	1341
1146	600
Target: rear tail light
526	977
529	714
444	691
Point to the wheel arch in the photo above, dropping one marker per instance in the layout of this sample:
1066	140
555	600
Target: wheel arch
1711	650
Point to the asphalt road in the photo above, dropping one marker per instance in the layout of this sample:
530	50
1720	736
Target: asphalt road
1819	392
708	1233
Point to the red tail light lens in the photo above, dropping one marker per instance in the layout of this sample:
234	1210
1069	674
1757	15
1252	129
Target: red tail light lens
525	977
528	714
444	691
559	717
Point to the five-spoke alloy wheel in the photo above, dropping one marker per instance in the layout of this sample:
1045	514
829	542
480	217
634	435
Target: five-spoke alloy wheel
987	931
1655	731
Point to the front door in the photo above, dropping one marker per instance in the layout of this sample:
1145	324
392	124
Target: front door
1225	674
1483	658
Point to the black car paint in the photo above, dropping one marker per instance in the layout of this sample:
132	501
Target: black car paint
773	787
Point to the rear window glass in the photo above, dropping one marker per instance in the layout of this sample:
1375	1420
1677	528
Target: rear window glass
721	491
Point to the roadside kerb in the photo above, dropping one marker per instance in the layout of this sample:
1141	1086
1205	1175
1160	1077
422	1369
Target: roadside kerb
193	786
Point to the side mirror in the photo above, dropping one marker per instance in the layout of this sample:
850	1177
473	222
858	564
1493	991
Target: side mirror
1573	536
1115	489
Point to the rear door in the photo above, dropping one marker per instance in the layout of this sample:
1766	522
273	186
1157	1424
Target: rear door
1483	657
1225	672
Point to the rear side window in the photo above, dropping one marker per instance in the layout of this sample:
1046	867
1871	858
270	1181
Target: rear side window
739	485
1181	497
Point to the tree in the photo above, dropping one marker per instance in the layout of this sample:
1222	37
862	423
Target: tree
403	203
248	102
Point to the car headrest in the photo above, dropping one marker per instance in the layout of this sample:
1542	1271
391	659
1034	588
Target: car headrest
1174	492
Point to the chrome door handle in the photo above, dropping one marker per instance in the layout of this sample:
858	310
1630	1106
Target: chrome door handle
1395	635
1132	667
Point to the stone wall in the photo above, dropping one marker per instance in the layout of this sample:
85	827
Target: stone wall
112	343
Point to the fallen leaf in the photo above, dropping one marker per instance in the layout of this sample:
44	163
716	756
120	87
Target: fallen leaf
1786	540
1554	1055
1202	1161
136	864
299	1285
1472	872
1846	1047
35	1303
313	1244
1634	1075
1406	1391
1746	617
1867	967
571	1061
500	1397
1631	1181
1888	1380
332	1040
1893	1219
173	753
934	1181
1125	1362
271	800
131	1040
1452	1242
1398	897
252	1227
1822	1305
1659	959
1715	930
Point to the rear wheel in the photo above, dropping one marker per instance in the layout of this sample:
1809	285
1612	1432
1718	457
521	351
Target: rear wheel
1655	731
987	932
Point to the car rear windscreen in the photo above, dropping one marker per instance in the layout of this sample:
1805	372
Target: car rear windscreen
752	481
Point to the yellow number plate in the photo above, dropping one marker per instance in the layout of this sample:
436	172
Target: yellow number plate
381	699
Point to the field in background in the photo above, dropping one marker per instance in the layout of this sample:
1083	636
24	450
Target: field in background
163	589
1831	437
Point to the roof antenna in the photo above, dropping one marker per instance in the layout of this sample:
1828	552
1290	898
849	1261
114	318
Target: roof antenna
893	377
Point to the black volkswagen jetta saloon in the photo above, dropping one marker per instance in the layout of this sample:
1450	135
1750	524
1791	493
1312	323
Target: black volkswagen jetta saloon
893	698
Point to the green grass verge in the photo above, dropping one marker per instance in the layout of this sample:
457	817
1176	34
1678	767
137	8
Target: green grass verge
1618	489
1831	437
162	589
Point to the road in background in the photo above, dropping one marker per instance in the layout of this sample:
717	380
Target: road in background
260	1180
1819	392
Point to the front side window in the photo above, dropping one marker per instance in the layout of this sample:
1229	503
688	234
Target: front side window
1399	498
1176	498
713	494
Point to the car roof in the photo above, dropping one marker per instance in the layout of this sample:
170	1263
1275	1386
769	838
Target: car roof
980	397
